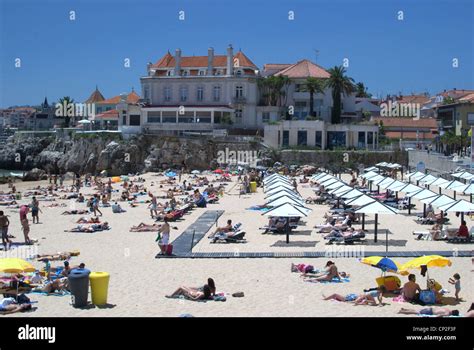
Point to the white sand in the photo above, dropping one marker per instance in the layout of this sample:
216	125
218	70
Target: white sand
139	282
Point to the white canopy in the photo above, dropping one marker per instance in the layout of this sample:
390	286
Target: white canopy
369	174
376	208
381	164
396	184
409	188
340	191
461	206
422	194
282	191
360	201
352	194
279	185
416	176
385	183
394	166
273	177
283	200
466	189
328	182
375	179
440	181
84	121
335	185
467	176
372	168
453	184
439	201
286	210
277	180
428	178
324	178
315	177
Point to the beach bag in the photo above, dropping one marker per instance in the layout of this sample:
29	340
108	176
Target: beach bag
427	297
169	249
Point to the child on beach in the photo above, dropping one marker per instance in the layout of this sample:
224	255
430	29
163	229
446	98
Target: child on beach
4	223
35	209
456	281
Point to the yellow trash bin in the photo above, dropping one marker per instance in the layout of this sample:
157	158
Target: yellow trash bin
253	187
99	287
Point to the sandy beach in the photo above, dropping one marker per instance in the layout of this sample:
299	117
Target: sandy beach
139	281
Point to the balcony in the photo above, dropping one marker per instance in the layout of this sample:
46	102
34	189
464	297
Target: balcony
239	100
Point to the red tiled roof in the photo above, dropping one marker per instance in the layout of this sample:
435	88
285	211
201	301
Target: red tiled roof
304	69
113	113
96	96
220	61
407	122
409	135
467	98
277	66
421	99
132	97
456	93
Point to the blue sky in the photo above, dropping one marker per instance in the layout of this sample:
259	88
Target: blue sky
61	57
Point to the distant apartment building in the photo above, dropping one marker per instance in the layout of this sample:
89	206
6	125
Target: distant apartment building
455	111
421	131
196	93
17	117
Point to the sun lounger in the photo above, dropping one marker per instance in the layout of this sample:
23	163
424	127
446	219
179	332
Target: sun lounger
356	237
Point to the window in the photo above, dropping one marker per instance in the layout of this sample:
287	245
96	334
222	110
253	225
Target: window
361	139
124	120
216	95
300	104
336	139
470	118
108	108
183	94
217	117
239	91
99	109
302	138
238	72
170	72
202	72
286	138
167	94
238	113
265	117
298	87
153	117
200	93
169	117
146	92
370	138
135	119
279	137
319	140
184	73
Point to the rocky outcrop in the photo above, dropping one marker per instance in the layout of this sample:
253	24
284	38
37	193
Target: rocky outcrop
35	175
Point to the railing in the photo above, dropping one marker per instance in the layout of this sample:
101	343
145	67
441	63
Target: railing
239	100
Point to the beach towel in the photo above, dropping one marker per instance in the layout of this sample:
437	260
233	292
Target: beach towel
258	209
334	280
57	294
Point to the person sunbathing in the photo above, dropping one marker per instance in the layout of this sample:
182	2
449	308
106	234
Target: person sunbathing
142	227
90	228
192	293
13	308
430	311
328	275
85	220
57	256
435	231
276	224
59	285
75	212
224	229
368	298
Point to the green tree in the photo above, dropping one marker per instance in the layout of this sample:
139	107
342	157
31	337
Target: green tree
340	85
313	86
65	101
361	90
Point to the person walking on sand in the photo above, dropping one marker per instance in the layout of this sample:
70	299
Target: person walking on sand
153	205
35	209
24	223
4	223
95	205
163	236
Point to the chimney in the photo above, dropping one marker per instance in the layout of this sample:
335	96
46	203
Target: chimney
177	60
210	60
230	60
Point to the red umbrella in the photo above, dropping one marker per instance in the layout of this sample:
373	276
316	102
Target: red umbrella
218	171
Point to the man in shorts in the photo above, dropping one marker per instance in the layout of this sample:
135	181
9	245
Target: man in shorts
4	223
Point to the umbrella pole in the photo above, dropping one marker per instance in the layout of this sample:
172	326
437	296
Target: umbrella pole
378	189
409	205
363	221
454	195
386	242
462	216
470	197
424	210
375	231
440	190
287	230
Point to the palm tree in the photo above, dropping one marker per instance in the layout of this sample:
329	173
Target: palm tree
313	86
361	90
340	84
65	101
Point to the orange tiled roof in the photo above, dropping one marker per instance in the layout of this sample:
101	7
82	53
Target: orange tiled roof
132	97
421	99
220	61
467	98
304	69
407	122
113	113
96	96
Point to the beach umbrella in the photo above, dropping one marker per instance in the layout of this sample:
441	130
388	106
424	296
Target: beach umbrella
335	185
422	195
466	189
280	193
317	176
218	171
428	261
195	172
360	201
338	192
381	164
385	183
369	174
427	180
84	121
284	199
328	182
377	208
279	185
383	263
438	201
460	206
452	186
372	168
15	265
416	176
352	194
406	189
396	184
170	174
323	178
288	211
439	182
277	181
467	176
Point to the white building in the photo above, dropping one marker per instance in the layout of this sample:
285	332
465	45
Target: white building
197	93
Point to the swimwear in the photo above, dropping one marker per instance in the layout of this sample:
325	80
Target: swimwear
427	311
